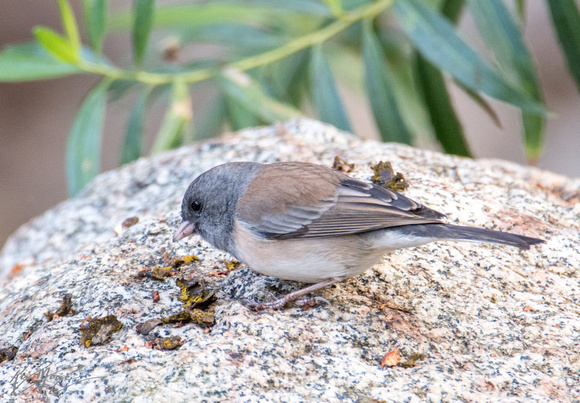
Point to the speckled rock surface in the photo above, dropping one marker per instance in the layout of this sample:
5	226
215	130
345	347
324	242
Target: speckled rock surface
493	322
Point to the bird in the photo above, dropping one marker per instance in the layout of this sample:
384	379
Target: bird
312	224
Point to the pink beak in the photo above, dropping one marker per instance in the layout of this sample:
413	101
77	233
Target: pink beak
185	229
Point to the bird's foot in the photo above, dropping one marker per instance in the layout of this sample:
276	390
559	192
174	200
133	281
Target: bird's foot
310	302
295	297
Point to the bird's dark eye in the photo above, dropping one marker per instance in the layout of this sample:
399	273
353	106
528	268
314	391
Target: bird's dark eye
196	205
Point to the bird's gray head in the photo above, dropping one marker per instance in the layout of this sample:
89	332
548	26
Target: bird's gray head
210	202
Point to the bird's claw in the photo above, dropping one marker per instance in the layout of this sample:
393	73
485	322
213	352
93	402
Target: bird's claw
310	302
306	303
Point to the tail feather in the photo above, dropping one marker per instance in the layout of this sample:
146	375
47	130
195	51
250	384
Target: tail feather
446	231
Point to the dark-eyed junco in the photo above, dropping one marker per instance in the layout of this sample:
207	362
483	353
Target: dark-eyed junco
309	223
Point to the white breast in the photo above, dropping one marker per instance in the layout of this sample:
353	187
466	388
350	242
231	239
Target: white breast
312	260
308	260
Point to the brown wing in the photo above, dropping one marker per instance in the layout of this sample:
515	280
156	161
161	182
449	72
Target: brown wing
311	201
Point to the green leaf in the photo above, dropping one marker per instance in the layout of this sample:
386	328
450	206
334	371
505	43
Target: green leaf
448	129
224	12
534	131
324	93
211	121
119	88
95	17
408	96
334	6
481	102
566	21
31	62
437	41
452	9
298	6
348	5
84	142
239	115
133	147
503	37
521	9
287	77
347	65
236	36
196	15
144	13
177	119
380	90
435	97
241	87
56	45
70	24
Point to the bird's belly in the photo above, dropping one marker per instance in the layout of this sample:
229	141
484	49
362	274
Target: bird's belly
308	260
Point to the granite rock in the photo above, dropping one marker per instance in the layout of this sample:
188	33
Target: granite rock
492	322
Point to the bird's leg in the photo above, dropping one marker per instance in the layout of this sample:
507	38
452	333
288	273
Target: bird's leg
295	296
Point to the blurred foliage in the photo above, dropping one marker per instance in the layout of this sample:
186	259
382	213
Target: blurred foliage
278	59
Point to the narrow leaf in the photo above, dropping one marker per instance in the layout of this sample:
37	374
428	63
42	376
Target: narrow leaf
56	45
70	24
534	131
447	127
239	115
95	17
431	85
452	9
223	12
481	102
324	93
409	99
287	77
142	27
566	20
119	88
177	118
241	87
211	122
31	62
437	41
133	145
521	9
334	6
503	36
380	90
297	6
236	36
84	143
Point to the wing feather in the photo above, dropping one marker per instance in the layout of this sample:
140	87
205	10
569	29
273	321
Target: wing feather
356	207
